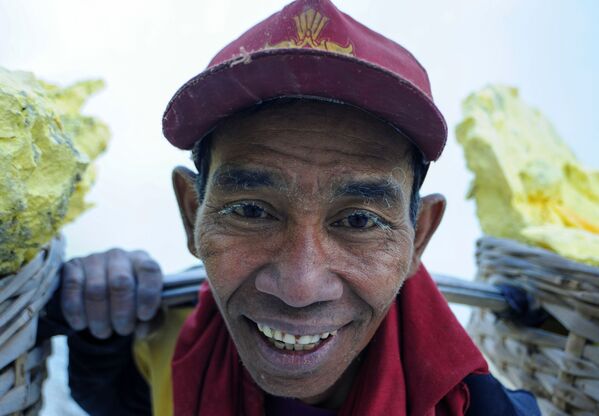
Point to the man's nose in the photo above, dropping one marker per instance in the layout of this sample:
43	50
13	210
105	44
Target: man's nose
301	274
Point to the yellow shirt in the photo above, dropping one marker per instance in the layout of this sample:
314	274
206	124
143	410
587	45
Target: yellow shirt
153	357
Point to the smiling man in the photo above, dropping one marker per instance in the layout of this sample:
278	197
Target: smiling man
304	229
312	135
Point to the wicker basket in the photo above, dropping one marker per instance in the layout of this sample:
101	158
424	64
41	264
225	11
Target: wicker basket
558	360
22	362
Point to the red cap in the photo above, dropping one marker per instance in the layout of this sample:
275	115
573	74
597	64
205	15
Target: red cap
310	49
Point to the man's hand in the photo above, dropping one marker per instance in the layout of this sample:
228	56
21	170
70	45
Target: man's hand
110	291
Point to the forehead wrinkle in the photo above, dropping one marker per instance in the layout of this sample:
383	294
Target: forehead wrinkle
259	150
377	141
329	131
252	151
308	118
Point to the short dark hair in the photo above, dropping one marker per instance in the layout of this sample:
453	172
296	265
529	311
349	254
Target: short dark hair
201	156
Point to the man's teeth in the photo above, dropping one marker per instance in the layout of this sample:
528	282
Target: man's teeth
286	341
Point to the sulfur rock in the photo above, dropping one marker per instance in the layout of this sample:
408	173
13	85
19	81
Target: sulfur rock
528	185
46	150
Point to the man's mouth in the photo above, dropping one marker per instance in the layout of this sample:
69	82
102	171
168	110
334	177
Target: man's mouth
291	342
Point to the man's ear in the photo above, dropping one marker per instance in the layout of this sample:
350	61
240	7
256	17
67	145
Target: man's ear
187	198
432	208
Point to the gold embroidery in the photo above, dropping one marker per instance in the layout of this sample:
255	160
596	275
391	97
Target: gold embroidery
309	24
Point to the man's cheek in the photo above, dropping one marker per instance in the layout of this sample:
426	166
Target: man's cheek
377	276
230	261
213	239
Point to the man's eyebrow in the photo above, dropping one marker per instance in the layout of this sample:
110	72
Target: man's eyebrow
235	178
385	193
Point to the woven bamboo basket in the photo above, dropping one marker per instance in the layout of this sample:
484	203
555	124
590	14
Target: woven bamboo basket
22	361
558	360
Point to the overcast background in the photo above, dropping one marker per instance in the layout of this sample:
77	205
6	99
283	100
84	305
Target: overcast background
145	50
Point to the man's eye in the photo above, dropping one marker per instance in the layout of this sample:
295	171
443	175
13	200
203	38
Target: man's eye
246	210
359	220
250	211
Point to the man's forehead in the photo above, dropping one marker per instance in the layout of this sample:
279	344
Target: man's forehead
328	147
303	118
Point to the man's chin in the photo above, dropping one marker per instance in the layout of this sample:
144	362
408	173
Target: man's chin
311	389
327	388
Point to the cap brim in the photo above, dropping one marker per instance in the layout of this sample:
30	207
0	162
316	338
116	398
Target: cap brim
227	88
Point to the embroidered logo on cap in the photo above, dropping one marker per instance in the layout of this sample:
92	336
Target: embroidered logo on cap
309	26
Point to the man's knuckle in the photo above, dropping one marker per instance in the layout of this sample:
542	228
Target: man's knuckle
121	283
94	258
95	291
149	266
72	282
72	270
115	251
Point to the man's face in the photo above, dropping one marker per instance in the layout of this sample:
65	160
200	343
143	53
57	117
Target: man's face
306	238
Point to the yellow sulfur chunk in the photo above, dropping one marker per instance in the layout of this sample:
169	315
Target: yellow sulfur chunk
572	243
46	147
528	184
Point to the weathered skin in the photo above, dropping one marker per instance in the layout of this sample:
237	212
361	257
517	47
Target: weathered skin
287	240
111	291
301	264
